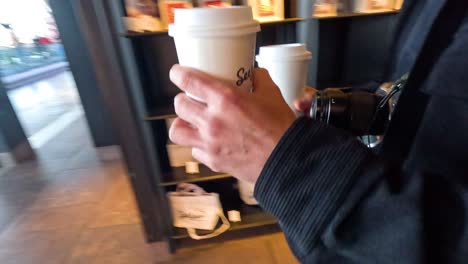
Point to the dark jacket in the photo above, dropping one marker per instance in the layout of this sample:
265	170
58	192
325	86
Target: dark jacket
338	202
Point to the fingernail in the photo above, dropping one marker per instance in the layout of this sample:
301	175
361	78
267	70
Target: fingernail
174	73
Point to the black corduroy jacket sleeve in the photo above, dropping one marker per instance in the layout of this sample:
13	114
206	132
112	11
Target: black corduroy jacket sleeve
330	195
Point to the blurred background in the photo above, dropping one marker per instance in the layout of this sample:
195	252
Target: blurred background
29	38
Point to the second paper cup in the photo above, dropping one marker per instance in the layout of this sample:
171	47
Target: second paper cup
287	65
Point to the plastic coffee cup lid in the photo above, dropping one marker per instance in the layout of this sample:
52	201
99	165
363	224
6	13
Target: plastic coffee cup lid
284	52
213	17
237	20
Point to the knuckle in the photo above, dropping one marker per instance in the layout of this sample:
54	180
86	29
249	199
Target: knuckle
178	99
214	150
214	128
229	96
179	103
214	165
215	169
186	80
197	155
173	132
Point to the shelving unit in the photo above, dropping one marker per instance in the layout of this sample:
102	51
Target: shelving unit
146	59
286	20
133	70
348	49
161	113
252	217
178	175
281	31
355	14
163	32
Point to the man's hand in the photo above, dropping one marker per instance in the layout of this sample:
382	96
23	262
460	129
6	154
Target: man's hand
231	131
303	103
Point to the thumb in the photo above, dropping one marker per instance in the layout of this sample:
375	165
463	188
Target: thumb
262	83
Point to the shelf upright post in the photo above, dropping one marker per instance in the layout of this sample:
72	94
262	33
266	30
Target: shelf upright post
116	70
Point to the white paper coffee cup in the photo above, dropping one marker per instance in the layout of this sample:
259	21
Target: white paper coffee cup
287	65
219	41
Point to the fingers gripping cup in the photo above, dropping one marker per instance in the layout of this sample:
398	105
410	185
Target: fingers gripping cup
218	41
287	66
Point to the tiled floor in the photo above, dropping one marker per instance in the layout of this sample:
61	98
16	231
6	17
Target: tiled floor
75	205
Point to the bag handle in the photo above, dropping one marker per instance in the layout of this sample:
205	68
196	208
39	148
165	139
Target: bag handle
192	189
192	232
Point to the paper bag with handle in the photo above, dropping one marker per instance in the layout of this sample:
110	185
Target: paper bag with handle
193	208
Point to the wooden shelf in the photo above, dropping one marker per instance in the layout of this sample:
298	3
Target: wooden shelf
161	113
164	32
282	21
131	34
178	175
252	217
353	14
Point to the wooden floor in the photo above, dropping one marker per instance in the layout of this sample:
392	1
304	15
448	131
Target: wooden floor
75	205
